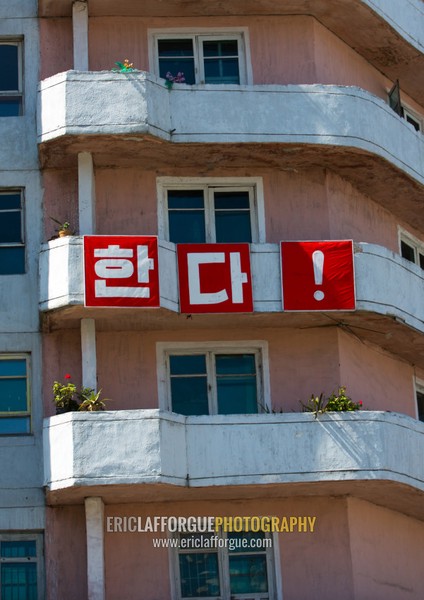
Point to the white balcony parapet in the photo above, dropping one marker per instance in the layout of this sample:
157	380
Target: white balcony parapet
138	104
385	283
151	446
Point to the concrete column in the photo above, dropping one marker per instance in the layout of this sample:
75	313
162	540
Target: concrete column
88	351
80	35
94	521
86	194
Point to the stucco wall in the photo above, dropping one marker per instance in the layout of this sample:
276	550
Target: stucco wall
387	553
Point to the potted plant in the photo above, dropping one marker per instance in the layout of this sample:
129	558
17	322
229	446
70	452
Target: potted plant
339	402
63	229
67	398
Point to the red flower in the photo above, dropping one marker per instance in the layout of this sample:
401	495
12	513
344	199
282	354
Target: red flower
360	402
67	376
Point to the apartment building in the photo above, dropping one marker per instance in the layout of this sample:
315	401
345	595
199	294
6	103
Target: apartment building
244	183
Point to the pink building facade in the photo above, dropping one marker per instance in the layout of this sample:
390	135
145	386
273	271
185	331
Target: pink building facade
293	123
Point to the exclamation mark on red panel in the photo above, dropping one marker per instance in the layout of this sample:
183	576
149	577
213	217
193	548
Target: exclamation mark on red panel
318	264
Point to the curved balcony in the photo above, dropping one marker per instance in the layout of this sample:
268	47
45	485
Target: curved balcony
389	35
123	119
139	447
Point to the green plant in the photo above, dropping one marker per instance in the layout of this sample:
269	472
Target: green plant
63	226
339	402
124	67
68	398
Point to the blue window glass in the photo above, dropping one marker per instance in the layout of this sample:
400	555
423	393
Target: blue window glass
186	216
10	96
221	61
18	570
177	56
18	549
236	384
199	575
12	249
247	565
189	388
14	396
232	217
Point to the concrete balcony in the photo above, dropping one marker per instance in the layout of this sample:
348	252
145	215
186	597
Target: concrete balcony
130	451
133	119
388	34
389	291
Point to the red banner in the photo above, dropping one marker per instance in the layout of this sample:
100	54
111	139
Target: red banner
318	275
214	278
121	271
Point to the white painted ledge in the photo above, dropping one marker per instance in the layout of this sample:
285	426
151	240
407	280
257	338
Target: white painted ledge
87	449
385	283
105	103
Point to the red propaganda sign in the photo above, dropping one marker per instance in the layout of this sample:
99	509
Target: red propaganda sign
121	270
318	275
214	278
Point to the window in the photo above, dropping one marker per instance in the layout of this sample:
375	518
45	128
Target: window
228	566
207	57
20	567
14	394
412	249
419	392
219	378
197	211
12	248
10	78
403	111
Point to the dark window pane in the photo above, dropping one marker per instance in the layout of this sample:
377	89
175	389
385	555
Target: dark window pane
199	575
13	367
407	251
413	122
19	581
12	261
235	364
194	364
185	199
420	402
220	48
176	56
9	74
18	549
13	395
10	227
228	200
8	201
189	395
174	48
186	216
248	574
12	425
222	70
233	227
422	261
10	106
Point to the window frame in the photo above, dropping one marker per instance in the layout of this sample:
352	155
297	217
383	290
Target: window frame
408	113
414	243
259	348
5	41
223	553
253	185
38	559
198	35
28	412
20	191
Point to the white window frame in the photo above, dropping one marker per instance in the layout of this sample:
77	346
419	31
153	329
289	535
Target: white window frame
272	556
412	241
28	412
407	112
259	348
254	185
198	35
38	559
4	41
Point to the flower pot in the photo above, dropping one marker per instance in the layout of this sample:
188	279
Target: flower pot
64	232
